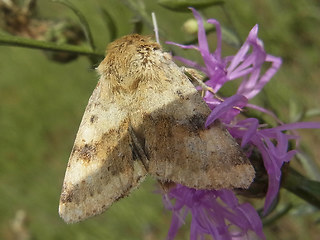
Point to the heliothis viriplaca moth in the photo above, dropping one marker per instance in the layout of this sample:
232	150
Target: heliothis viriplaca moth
145	117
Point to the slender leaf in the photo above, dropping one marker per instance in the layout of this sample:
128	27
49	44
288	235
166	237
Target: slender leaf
82	19
110	23
182	5
137	25
277	215
145	17
315	112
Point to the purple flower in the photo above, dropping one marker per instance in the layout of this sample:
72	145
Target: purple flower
243	65
215	212
272	143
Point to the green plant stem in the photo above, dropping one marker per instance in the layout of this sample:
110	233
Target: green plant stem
302	187
50	46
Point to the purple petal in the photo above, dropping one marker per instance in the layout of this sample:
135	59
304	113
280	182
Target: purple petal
211	216
224	107
210	61
292	126
238	58
253	218
263	110
190	63
217	53
176	222
273	154
252	125
202	38
273	189
249	66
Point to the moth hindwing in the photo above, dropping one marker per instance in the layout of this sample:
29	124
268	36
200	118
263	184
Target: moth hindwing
145	116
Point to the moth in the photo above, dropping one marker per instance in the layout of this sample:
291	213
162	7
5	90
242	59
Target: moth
145	117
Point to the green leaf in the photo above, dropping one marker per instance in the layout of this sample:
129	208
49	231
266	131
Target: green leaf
110	23
296	111
182	5
309	165
230	37
82	19
315	112
137	25
302	187
277	215
138	8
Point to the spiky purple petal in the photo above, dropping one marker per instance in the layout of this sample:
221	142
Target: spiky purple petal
226	110
214	213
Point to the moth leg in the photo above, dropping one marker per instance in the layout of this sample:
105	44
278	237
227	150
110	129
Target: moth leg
195	77
139	149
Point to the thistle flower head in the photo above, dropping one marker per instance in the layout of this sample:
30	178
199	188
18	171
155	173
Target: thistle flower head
214	212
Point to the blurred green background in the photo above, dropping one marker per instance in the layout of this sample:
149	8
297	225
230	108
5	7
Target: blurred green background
42	103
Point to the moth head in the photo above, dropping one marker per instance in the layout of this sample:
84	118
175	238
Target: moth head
131	60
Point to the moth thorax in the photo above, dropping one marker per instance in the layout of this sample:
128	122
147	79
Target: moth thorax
130	61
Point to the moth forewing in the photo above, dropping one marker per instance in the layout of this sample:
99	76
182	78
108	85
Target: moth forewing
176	142
103	165
145	116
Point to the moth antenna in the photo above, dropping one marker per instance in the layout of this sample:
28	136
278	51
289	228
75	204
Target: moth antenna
192	77
155	26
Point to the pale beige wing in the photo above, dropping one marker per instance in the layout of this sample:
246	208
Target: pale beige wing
104	165
176	143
